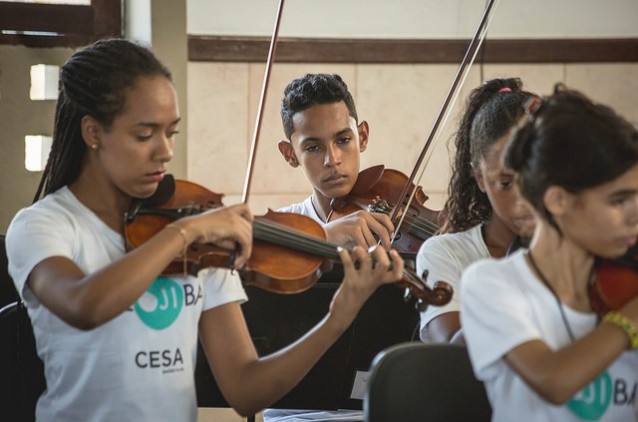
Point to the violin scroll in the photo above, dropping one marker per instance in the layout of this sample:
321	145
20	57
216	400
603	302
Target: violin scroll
416	288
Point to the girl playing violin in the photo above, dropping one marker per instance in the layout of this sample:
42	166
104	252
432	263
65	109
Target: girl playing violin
527	319
484	213
117	339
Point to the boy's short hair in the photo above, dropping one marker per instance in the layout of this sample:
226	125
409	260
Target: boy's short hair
310	90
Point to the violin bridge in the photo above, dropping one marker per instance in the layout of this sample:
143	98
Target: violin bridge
379	205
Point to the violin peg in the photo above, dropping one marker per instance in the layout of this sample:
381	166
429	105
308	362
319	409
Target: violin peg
407	294
420	305
425	274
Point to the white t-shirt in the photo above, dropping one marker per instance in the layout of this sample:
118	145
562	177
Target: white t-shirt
138	366
291	415
304	208
445	257
506	305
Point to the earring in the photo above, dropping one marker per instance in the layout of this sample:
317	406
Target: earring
94	147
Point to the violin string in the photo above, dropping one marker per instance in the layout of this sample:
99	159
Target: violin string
419	229
277	234
300	245
419	226
280	237
423	226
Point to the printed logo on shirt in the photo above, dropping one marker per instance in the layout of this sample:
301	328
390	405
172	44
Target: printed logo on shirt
161	304
167	360
592	401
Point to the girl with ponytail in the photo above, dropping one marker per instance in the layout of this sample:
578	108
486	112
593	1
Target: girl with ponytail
484	213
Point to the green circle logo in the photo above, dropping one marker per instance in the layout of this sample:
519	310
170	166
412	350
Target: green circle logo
592	401
161	304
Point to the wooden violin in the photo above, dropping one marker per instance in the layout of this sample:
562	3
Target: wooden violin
615	282
378	189
289	254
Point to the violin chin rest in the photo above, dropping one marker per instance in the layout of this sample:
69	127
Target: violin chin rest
165	191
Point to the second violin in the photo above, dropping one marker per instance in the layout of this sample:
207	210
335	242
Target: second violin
615	282
379	190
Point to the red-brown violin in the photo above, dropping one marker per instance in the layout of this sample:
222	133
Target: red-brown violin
377	189
616	282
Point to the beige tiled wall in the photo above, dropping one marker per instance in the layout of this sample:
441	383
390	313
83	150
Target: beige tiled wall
400	103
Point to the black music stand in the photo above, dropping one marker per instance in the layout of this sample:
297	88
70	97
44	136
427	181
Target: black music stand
276	320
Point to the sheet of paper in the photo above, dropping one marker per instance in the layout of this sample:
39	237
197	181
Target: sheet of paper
359	385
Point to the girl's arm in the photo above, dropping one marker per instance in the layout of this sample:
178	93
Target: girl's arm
249	383
445	328
438	257
86	301
558	375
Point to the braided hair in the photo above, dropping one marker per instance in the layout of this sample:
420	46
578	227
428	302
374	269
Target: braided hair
571	142
491	111
311	90
93	82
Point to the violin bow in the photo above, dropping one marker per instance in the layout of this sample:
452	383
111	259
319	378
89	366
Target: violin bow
450	99
262	102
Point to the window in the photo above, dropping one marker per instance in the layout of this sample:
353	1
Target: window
59	23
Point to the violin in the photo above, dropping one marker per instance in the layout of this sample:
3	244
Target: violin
289	254
378	189
615	282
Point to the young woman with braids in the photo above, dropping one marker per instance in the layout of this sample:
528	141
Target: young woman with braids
117	339
532	335
484	213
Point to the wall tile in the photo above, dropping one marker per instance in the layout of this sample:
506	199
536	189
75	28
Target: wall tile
537	78
401	103
218	108
613	84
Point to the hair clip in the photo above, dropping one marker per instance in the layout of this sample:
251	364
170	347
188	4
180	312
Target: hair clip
504	89
533	105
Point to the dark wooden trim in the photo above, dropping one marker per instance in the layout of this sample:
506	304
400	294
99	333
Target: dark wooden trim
68	25
562	50
108	18
41	41
58	18
314	50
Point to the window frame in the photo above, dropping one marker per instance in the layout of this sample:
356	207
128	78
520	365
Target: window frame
68	25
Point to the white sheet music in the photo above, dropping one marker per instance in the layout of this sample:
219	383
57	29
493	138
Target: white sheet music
359	385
